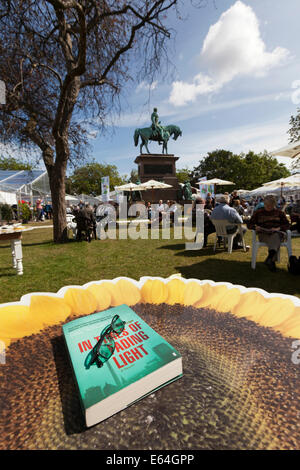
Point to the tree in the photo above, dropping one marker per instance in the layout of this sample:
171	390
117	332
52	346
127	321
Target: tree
183	175
64	61
87	179
134	177
10	163
247	171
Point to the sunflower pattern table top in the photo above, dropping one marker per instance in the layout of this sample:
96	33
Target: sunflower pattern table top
240	384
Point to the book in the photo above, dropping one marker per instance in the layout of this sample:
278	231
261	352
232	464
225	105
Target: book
117	362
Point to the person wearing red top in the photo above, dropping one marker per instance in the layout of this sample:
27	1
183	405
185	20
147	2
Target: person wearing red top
271	224
39	209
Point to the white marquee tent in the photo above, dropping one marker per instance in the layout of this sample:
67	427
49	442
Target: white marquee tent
23	184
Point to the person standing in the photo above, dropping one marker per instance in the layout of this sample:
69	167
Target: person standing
295	215
39	208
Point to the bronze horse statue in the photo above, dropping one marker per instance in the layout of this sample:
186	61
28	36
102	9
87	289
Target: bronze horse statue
147	134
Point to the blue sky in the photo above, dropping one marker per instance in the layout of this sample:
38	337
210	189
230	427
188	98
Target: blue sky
235	85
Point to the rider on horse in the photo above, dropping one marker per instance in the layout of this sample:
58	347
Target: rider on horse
158	130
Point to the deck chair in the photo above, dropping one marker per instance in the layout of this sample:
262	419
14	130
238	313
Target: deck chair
256	244
221	231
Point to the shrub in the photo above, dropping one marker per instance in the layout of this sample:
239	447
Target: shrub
6	212
24	211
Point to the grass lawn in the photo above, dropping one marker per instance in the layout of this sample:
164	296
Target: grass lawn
48	267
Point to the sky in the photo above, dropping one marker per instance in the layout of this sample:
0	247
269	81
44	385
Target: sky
235	84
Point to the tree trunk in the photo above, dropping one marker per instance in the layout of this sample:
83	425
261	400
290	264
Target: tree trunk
57	175
57	186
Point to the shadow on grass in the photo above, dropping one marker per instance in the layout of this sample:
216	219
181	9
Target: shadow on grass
180	247
177	247
48	242
240	272
7	272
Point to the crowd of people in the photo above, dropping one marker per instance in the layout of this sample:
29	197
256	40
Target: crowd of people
87	216
267	216
270	217
43	210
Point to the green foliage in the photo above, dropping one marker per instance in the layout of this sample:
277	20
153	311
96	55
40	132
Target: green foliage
183	175
87	179
10	163
6	212
134	177
24	211
247	171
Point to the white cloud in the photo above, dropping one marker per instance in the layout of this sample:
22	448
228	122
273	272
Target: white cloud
233	47
183	92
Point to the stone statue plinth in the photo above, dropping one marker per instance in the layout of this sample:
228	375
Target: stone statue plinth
159	167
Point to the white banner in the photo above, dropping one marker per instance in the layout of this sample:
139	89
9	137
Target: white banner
205	188
105	188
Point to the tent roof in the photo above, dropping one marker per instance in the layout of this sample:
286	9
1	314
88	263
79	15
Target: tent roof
291	150
16	180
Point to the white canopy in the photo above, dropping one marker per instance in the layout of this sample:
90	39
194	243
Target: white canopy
290	181
216	181
71	198
153	184
291	150
130	187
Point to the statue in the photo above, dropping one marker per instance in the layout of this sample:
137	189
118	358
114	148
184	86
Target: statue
156	125
157	133
187	191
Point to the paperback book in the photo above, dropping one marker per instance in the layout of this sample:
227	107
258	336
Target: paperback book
117	359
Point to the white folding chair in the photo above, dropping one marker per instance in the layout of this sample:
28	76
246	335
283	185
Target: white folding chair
71	226
221	231
256	244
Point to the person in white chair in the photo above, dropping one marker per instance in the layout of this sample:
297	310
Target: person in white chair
270	224
224	212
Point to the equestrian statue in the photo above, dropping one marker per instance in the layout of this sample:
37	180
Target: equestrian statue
157	133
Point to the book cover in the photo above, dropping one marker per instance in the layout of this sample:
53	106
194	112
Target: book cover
139	352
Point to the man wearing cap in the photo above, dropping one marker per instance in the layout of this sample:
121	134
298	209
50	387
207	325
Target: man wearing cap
224	212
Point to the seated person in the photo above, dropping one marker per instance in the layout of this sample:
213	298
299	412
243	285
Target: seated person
234	197
238	207
270	223
149	209
82	220
224	212
209	203
208	225
259	204
295	215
